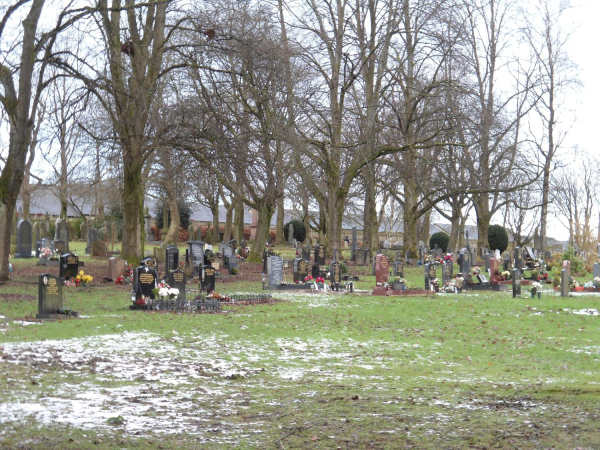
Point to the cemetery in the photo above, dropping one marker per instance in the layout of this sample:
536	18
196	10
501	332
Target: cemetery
298	225
192	282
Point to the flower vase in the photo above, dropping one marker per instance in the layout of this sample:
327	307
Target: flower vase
539	295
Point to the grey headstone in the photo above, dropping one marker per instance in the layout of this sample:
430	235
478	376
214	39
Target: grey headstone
274	270
24	237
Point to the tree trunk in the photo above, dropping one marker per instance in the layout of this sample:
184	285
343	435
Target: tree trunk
228	222
238	232
409	240
214	208
370	222
280	237
20	129
265	213
484	217
133	214
424	228
455	230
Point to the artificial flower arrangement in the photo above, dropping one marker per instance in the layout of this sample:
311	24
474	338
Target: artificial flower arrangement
82	279
47	254
505	275
319	280
448	257
536	287
165	292
308	279
127	277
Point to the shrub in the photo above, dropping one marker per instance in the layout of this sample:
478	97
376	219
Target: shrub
497	238
299	230
184	235
577	263
441	239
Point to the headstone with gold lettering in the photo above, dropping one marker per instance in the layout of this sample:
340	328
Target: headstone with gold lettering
176	279
69	265
144	282
208	278
382	269
49	296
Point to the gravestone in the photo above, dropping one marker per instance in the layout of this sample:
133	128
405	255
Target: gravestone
149	261
482	278
196	255
99	249
144	282
430	275
359	254
565	278
464	263
505	264
83	231
60	246
336	275
93	235
367	256
382	269
208	278
421	254
398	270
62	233
47	243
226	253
69	266
494	271
116	268
176	279
49	295
243	246
290	236
596	270
300	269
231	263
487	262
37	232
171	258
315	271
266	255
516	282
320	255
447	272
473	258
24	237
306	253
274	271
386	244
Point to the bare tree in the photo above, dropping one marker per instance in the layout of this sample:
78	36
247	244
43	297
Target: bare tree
557	78
23	78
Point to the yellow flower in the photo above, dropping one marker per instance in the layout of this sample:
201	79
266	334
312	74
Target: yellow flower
78	277
81	272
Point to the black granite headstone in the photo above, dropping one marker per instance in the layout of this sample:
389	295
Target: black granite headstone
208	278
49	295
172	258
146	282
320	254
69	266
300	269
176	279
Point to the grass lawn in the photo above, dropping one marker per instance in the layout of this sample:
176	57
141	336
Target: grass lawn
474	370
